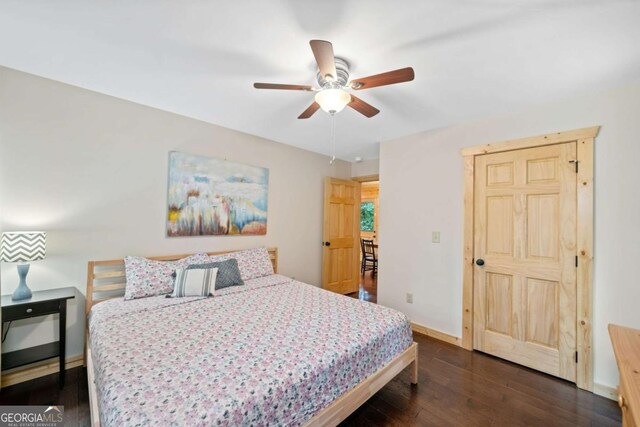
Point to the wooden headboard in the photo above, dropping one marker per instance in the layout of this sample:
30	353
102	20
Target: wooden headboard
106	279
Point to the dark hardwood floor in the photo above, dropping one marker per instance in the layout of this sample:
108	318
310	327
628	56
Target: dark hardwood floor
368	288
461	388
45	391
457	388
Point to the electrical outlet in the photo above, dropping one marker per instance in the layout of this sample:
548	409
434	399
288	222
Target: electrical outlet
435	237
410	298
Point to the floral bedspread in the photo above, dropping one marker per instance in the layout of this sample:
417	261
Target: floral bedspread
273	352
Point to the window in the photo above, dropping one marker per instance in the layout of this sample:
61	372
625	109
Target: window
367	216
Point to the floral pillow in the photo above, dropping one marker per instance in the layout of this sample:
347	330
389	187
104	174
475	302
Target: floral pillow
146	277
252	263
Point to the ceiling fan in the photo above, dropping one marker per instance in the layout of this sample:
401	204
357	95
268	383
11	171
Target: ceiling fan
333	78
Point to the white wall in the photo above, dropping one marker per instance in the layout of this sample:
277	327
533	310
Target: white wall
91	170
365	168
421	191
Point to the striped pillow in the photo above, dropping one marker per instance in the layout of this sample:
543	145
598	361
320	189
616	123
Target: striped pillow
194	283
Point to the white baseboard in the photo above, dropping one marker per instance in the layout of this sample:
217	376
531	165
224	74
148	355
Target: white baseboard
421	329
605	391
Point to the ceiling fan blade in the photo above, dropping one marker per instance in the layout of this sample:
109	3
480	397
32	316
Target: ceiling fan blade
362	107
309	111
388	78
283	87
323	51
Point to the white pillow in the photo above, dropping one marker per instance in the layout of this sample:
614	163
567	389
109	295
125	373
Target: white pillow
253	263
147	277
191	282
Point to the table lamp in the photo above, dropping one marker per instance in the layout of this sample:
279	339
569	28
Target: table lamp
22	247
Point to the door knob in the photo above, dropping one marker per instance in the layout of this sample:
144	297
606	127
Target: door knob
480	262
327	243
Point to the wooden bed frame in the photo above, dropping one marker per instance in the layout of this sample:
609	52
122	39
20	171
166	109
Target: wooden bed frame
106	280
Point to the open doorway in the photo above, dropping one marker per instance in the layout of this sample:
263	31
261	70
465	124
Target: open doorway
369	262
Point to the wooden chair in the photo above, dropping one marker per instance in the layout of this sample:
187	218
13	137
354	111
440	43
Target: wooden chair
369	258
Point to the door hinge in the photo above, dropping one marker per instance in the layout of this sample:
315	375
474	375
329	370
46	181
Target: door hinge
576	163
576	356
576	261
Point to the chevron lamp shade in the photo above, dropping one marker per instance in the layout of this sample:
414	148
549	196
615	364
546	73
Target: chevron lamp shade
23	246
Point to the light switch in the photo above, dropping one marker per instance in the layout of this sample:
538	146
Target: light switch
410	298
435	237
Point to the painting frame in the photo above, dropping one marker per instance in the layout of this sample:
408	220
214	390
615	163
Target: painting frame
209	196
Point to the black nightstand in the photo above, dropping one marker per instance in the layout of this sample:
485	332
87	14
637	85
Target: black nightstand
41	303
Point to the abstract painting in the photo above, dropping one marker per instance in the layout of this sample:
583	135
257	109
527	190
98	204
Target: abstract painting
211	197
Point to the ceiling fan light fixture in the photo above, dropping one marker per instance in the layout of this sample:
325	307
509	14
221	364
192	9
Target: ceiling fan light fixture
334	81
333	100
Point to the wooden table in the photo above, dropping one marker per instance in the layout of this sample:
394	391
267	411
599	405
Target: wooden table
42	303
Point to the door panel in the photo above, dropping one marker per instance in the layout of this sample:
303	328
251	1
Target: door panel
543	220
542	312
525	231
499	300
342	234
500	225
500	174
542	170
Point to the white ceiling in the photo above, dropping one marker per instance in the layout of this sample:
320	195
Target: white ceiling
472	58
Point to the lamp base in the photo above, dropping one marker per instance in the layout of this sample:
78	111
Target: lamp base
22	291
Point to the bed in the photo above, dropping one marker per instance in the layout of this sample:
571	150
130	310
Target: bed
273	352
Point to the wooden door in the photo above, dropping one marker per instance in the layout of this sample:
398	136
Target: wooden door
341	236
525	233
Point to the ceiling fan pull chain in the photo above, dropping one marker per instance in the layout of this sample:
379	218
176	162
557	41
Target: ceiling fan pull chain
333	138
